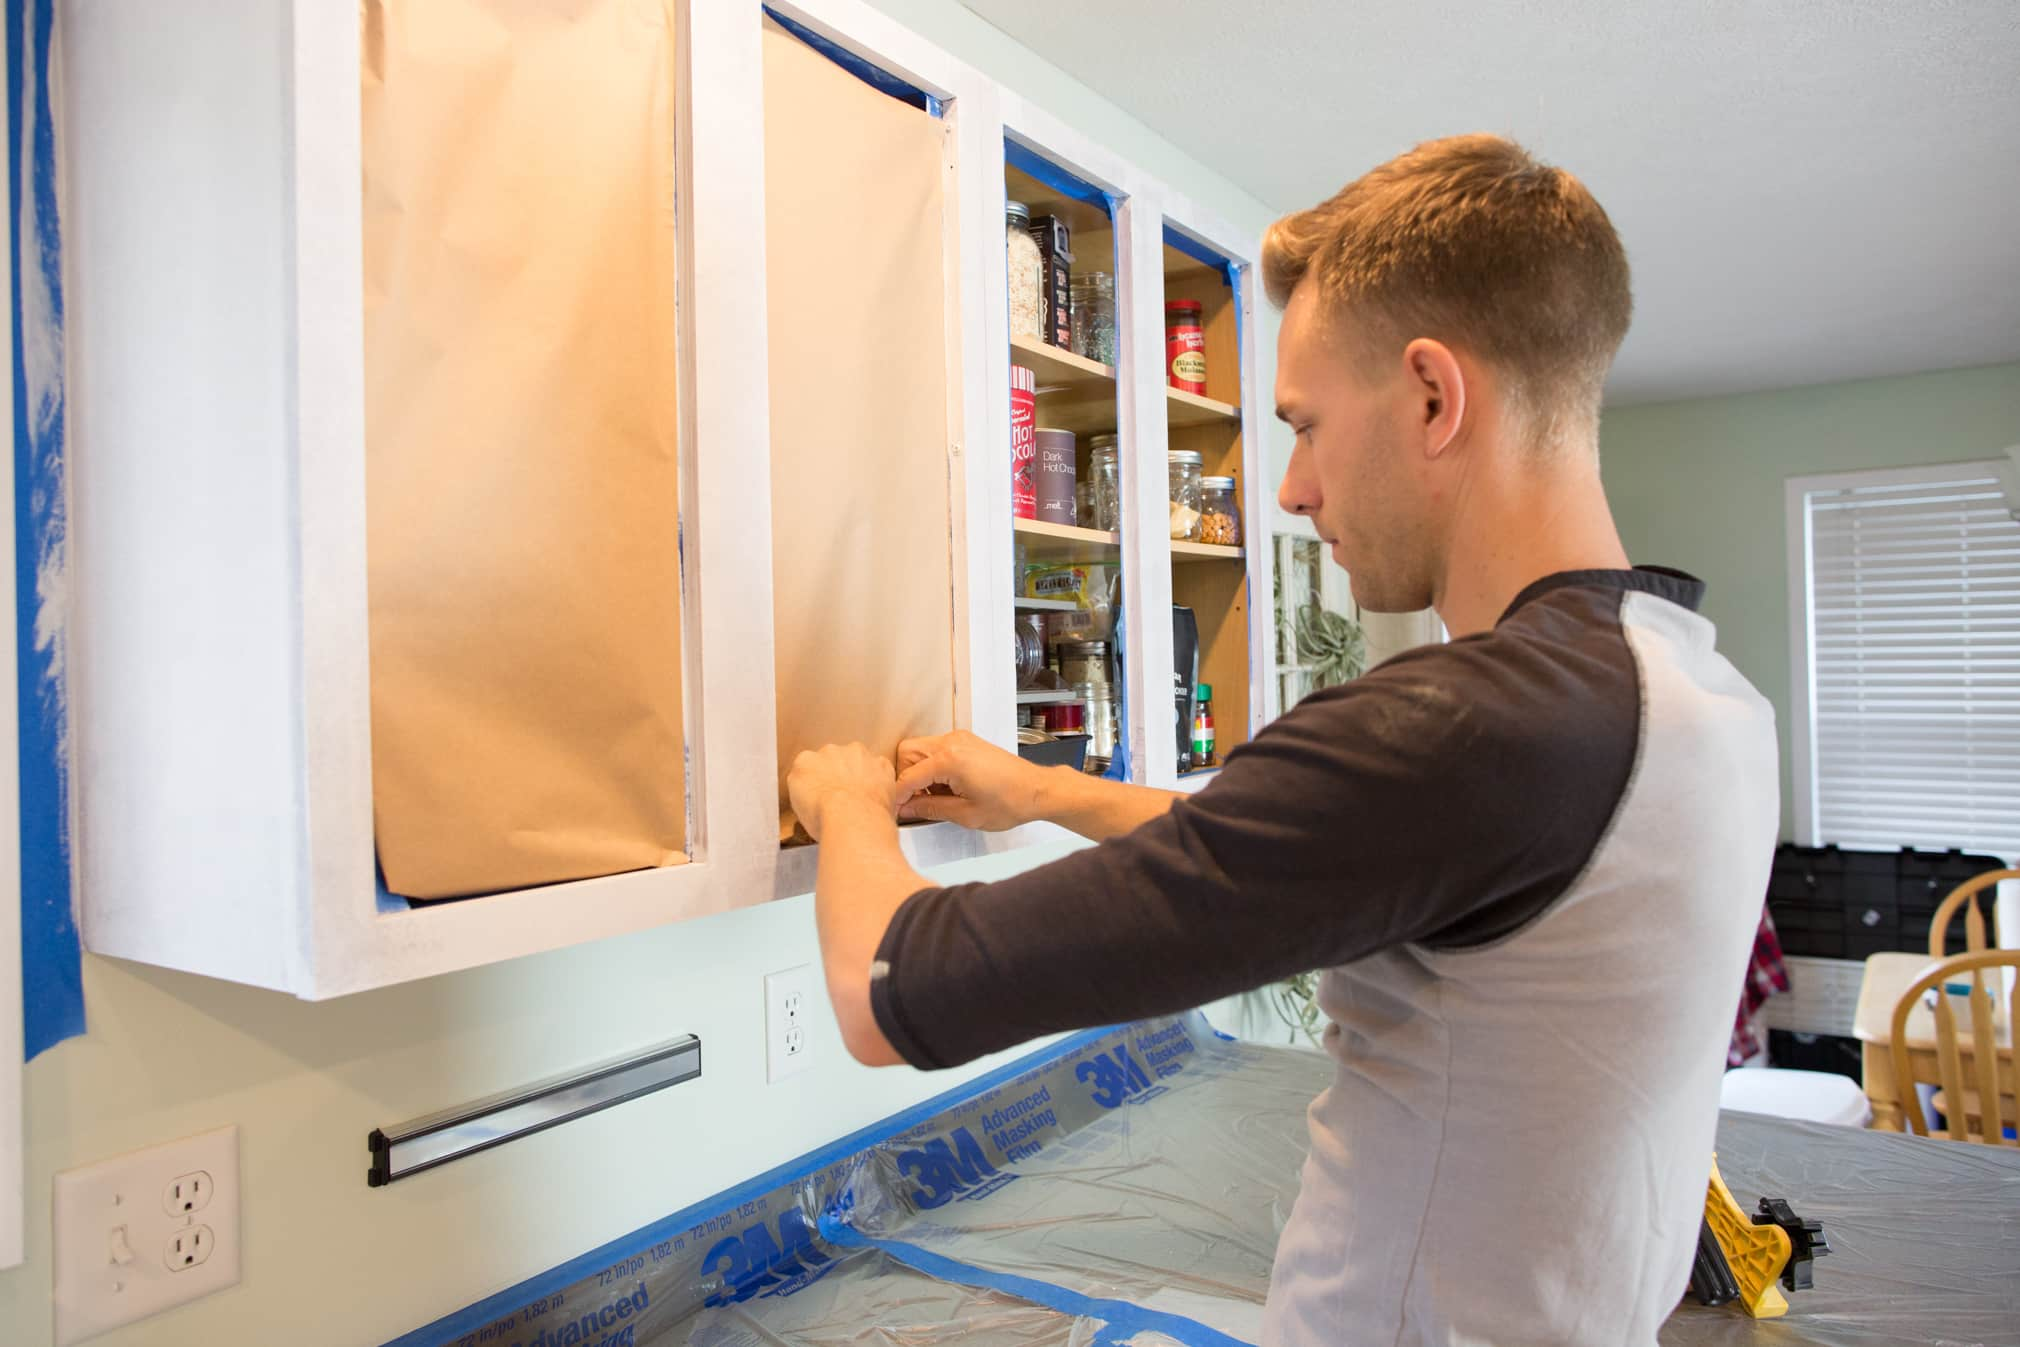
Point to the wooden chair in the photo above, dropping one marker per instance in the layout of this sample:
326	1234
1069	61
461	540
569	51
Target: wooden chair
1991	1078
1974	920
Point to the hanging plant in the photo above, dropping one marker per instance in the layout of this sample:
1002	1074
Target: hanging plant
1330	646
1297	1004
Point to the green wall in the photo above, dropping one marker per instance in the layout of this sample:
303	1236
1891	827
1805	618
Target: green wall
1698	485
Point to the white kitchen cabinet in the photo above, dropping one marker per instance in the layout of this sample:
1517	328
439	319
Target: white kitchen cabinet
219	647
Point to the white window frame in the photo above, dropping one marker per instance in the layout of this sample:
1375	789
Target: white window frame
1797	491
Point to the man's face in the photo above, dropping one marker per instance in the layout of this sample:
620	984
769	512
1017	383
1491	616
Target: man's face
1356	470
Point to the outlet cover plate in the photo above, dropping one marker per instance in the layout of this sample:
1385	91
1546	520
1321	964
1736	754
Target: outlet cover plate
789	1004
113	1227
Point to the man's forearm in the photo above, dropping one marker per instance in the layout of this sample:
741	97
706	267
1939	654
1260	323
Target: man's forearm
862	882
1095	808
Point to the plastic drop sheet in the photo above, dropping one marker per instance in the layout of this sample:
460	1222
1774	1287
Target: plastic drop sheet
1128	1187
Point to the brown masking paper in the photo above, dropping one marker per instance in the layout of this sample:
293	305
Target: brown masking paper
861	560
523	527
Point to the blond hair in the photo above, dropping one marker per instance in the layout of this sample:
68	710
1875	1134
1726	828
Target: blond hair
1471	241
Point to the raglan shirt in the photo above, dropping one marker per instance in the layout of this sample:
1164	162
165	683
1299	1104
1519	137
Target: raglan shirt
1530	860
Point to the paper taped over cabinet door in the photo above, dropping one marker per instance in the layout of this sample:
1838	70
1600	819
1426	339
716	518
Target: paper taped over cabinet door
855	255
521	441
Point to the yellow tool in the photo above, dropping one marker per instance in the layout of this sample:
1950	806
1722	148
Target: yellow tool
1740	1257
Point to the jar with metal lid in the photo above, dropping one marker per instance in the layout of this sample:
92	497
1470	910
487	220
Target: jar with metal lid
1030	648
1027	274
1092	296
1220	515
1183	466
1104	467
1083	662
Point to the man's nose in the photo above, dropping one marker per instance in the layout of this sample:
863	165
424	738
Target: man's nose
1298	494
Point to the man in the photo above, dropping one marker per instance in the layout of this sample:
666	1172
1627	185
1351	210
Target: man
1531	859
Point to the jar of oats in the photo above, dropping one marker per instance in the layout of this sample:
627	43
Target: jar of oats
1027	274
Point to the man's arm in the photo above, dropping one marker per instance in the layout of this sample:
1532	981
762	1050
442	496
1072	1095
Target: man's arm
863	880
842	795
993	790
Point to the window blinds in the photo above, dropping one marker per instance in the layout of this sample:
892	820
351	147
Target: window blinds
1915	664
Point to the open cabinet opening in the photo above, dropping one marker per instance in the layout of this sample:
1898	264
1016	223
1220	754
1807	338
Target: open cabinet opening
1208	489
861	340
1065	465
523	464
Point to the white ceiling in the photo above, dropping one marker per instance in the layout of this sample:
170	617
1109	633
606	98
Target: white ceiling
1808	191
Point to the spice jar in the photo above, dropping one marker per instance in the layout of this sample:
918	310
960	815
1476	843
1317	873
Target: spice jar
1185	345
1023	442
1183	466
1220	516
1104	466
1093	300
1027	274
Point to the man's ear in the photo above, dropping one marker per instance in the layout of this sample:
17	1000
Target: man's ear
1439	386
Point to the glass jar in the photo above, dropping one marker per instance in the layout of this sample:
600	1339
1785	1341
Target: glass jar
1104	466
1083	504
1084	662
1030	648
1027	274
1220	515
1183	466
1092	299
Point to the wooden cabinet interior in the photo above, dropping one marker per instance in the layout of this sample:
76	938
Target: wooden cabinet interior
862	528
1074	393
1213	580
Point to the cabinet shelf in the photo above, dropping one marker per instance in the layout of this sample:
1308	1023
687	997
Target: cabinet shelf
1183	552
1065	542
1074	393
1190	409
1048	697
1046	605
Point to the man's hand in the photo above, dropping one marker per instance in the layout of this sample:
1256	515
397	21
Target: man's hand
992	789
839	770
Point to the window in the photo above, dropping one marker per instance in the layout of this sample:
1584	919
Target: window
1905	600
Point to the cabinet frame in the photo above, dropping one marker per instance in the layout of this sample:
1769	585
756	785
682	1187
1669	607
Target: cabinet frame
250	856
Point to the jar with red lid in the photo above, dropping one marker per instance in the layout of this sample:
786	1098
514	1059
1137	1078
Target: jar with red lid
1185	345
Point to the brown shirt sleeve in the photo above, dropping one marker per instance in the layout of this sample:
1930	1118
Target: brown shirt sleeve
1445	798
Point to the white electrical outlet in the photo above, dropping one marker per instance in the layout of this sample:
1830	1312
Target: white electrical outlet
129	1240
789	1000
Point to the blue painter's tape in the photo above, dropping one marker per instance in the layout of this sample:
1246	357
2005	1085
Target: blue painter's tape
1123	1319
52	974
873	75
1118	762
488	1311
1028	161
1200	252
